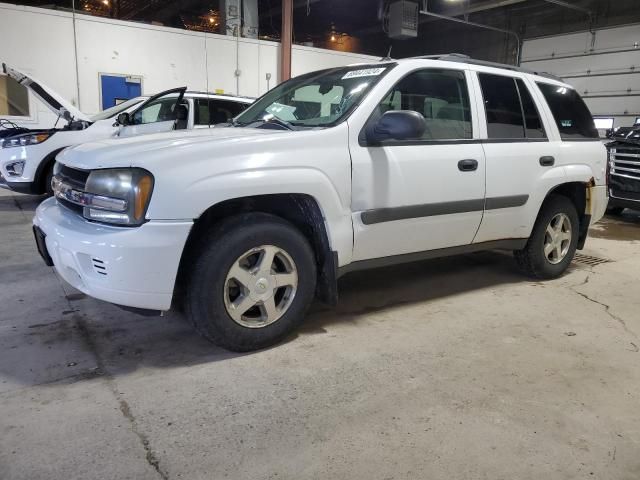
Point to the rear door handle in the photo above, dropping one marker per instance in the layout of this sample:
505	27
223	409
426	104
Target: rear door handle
547	161
467	165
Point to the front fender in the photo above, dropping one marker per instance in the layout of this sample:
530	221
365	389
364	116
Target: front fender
209	191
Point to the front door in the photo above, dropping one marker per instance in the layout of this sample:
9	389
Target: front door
424	194
159	113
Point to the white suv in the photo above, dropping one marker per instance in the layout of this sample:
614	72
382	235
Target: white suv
333	171
27	156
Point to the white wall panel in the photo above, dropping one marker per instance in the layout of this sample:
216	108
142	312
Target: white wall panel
163	57
51	58
618	51
40	42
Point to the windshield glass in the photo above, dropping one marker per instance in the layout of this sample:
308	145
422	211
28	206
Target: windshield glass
317	99
115	110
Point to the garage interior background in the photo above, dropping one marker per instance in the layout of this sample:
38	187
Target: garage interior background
174	43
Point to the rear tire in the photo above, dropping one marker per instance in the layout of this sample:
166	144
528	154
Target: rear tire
252	282
553	241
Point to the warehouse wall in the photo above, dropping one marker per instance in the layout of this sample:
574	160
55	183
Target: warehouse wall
40	42
603	67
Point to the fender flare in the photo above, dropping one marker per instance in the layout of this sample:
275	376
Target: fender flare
43	166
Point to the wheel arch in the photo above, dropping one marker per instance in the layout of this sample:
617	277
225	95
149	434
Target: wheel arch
301	210
578	192
41	172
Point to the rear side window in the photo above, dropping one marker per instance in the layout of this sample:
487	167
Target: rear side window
210	111
502	106
532	122
572	116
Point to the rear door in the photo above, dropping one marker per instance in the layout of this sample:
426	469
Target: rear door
520	155
210	111
158	114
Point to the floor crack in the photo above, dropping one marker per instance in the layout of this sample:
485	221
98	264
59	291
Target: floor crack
109	379
150	455
607	308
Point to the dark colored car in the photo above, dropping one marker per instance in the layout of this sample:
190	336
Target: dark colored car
624	171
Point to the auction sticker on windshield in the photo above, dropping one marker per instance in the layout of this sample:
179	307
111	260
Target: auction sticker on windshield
365	72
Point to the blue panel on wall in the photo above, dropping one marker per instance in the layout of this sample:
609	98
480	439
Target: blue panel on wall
115	89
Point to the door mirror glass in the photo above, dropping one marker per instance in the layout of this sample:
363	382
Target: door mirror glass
398	125
123	118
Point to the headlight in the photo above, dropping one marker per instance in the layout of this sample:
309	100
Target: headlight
26	139
119	195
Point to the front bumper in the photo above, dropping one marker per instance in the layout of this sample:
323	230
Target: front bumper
134	267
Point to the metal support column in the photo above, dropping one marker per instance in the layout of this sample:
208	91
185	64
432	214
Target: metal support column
286	38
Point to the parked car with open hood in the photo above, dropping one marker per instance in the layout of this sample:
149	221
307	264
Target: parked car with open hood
333	171
27	155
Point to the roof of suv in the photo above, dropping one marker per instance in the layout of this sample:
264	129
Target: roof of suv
461	58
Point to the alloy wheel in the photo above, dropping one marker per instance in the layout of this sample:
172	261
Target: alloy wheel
260	286
557	238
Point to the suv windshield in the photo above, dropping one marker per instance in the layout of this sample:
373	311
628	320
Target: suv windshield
115	110
317	99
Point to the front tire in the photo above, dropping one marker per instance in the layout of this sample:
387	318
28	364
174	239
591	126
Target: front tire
48	189
553	241
252	282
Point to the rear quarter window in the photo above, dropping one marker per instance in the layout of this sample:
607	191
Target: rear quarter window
571	115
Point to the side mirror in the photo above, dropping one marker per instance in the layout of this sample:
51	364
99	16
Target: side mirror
123	119
397	125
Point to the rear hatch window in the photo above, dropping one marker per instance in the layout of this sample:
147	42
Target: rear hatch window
572	116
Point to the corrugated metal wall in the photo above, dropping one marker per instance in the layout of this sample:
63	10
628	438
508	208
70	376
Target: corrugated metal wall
604	66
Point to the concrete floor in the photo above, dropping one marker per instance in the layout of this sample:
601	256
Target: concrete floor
457	368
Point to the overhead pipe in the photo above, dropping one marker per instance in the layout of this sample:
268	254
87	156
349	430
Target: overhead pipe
425	11
578	8
584	10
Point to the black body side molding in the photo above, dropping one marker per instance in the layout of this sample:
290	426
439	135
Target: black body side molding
380	215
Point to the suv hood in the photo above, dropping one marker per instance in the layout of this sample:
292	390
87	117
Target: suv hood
631	136
58	105
129	151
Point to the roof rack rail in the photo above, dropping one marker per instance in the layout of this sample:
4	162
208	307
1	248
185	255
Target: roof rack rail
461	58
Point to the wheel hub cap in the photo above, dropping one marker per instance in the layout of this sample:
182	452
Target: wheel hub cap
557	238
260	286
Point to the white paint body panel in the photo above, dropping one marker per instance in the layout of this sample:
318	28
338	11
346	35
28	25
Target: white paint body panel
197	169
141	264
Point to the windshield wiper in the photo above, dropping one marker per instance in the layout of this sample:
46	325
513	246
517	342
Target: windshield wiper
278	121
273	120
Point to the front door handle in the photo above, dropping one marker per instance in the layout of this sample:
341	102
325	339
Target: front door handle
468	165
547	161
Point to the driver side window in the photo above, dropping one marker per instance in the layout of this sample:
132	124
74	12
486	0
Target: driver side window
440	96
160	110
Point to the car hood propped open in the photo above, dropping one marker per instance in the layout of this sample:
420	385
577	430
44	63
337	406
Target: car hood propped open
58	105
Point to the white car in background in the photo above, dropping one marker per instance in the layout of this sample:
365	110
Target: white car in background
27	155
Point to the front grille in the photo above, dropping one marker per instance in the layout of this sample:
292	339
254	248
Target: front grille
625	162
74	176
77	179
